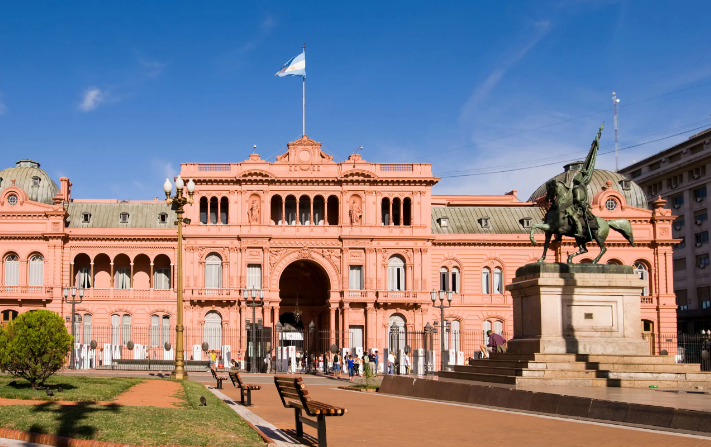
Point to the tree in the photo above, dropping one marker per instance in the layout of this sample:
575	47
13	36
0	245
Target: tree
34	346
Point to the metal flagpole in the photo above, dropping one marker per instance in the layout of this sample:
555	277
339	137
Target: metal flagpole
303	100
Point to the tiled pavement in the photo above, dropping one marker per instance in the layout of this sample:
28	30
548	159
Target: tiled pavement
380	420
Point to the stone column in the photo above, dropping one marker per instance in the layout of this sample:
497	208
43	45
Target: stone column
150	278
346	327
370	326
72	279
298	217
131	275
112	275
325	211
401	214
311	215
332	320
283	211
91	278
172	277
390	216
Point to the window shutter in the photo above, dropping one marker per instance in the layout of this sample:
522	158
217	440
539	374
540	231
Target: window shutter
485	281
254	276
12	272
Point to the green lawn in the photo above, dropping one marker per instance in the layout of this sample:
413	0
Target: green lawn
73	388
215	424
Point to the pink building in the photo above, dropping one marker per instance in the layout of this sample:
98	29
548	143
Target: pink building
355	247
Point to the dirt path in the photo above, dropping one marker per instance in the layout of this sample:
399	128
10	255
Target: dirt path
149	393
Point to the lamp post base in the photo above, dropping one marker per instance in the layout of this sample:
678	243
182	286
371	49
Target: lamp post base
179	375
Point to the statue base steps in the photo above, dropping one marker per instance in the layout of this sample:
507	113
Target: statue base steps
583	370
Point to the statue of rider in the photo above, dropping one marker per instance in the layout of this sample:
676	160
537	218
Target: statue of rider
579	212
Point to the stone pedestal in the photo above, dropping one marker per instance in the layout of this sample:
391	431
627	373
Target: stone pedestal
577	308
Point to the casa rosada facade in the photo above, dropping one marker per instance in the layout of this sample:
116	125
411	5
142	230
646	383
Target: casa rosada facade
354	247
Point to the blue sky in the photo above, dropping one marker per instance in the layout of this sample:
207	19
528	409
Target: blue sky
115	96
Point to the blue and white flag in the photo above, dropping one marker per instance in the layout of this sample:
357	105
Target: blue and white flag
295	67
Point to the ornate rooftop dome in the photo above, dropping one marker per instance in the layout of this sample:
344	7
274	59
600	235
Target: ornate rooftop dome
30	178
633	193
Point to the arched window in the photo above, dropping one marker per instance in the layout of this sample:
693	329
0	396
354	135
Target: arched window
203	210
396	273
213	330
332	210
77	328
407	211
486	326
115	330
498	327
36	273
385	211
397	333
87	329
485	281
12	272
125	329
83	278
640	268
443	278
276	209
213	272
290	206
498	281
224	210
396	211
455	279
155	331
304	210
8	316
213	210
319	209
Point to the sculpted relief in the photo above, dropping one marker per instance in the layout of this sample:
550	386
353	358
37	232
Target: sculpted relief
253	210
355	211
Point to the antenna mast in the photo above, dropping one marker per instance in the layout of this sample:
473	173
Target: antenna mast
617	150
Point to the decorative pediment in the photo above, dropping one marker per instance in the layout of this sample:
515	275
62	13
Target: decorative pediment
304	151
256	174
357	174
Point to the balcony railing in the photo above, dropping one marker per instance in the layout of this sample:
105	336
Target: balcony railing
232	294
128	293
355	294
37	291
646	300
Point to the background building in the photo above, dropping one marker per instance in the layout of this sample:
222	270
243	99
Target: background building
678	175
354	247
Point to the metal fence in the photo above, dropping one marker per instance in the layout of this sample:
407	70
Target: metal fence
686	348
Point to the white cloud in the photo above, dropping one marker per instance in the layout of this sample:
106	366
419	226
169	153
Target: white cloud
91	99
151	69
165	169
510	59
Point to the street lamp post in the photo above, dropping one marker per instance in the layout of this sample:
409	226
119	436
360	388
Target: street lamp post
73	302
441	307
179	201
257	296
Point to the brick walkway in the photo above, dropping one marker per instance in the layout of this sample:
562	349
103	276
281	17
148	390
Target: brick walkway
391	421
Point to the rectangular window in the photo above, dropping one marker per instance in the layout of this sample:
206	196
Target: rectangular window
674	158
115	330
677	201
126	330
166	329
123	278
355	277
700	194
654	166
455	279
155	334
87	329
702	261
703	294
681	299
161	278
700	217
679	223
443	279
681	244
702	238
254	276
636	174
679	264
697	173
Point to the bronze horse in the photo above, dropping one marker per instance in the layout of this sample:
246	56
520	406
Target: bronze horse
555	222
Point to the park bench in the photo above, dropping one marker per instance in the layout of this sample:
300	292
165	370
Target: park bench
218	378
245	388
294	395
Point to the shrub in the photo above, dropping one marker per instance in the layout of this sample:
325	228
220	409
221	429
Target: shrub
34	346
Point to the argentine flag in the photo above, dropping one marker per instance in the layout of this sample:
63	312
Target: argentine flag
295	67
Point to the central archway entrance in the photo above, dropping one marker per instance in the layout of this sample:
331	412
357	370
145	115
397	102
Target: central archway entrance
308	283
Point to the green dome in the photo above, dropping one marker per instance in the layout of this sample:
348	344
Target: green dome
634	195
30	178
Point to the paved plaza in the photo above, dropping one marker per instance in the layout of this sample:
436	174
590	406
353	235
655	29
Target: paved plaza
377	419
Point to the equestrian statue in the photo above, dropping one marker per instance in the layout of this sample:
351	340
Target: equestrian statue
569	212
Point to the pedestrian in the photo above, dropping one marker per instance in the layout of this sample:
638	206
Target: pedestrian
288	366
391	362
356	365
371	362
268	362
366	363
497	343
406	359
336	366
304	364
213	359
351	370
325	363
377	360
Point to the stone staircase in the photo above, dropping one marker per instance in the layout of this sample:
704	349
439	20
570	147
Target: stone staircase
584	370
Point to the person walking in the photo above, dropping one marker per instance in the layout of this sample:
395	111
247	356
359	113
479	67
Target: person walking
336	366
351	370
376	360
325	363
268	362
366	364
391	362
406	360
